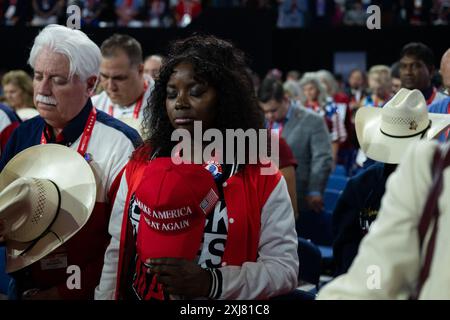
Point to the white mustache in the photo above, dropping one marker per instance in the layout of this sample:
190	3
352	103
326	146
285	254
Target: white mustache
46	99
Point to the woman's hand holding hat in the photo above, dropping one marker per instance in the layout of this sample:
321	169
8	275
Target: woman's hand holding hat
180	276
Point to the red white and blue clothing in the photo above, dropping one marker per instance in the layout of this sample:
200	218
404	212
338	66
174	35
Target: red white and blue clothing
333	119
109	146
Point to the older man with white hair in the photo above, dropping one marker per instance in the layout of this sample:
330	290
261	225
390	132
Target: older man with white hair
66	67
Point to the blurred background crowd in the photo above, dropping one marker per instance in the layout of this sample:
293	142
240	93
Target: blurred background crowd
180	13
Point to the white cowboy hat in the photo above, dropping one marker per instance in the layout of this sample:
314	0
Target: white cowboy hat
48	194
134	123
27	113
385	133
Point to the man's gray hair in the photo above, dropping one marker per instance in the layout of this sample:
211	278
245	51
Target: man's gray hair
83	54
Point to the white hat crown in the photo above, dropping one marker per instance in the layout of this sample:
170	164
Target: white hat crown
405	114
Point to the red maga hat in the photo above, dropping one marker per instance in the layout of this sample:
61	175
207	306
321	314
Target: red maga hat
174	201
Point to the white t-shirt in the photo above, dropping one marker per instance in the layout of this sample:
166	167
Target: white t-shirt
103	102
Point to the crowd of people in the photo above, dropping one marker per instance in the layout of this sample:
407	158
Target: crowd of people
328	13
173	13
99	13
143	221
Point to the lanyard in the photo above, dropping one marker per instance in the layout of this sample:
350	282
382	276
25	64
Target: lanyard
85	137
137	107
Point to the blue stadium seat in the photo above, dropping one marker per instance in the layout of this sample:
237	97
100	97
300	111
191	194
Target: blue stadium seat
337	182
340	171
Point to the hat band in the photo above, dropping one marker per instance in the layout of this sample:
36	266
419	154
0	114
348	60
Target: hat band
47	230
409	136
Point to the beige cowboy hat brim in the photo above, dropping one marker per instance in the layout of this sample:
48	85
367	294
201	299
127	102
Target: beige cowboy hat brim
76	183
386	149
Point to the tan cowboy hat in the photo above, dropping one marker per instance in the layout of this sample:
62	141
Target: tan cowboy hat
134	123
385	133
27	113
48	194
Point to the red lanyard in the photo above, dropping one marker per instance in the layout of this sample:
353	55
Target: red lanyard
87	133
137	107
431	98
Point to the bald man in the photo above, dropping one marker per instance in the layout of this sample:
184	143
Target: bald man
443	106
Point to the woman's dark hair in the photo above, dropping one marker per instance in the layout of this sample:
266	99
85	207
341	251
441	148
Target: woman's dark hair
222	66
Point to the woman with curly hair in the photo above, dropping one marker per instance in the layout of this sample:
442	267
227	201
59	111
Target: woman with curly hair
179	231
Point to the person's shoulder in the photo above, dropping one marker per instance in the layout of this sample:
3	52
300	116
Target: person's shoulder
300	111
28	133
8	112
440	96
415	169
421	154
98	97
139	160
262	171
372	173
440	106
31	125
142	154
120	127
